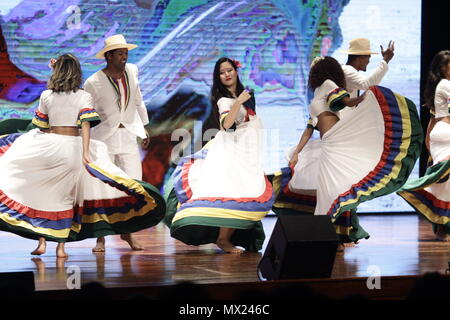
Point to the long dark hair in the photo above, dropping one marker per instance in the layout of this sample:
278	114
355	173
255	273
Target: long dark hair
218	91
436	74
324	69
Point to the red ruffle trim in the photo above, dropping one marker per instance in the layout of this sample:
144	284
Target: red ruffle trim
384	106
33	213
4	149
441	204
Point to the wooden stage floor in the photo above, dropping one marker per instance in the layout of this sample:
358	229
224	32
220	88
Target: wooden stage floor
400	245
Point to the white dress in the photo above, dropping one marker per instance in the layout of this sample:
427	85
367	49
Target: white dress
430	194
223	185
296	188
366	155
45	191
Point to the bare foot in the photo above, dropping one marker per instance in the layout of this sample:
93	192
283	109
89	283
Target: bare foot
350	244
100	245
40	248
60	253
131	241
441	234
228	247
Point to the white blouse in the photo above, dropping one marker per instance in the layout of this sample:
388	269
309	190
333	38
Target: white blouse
224	104
64	109
442	99
327	97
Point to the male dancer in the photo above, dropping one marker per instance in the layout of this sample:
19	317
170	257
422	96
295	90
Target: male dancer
358	58
118	100
359	54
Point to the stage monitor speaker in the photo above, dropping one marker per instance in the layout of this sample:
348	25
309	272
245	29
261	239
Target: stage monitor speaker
16	284
301	246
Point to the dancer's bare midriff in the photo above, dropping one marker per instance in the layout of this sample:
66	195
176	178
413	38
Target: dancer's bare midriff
325	121
65	130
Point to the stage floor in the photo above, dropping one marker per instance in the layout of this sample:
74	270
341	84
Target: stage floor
399	245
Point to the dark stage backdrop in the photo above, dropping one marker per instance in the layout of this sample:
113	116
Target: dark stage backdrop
179	42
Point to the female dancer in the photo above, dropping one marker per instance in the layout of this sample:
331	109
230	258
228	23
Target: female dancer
221	190
364	156
430	195
296	188
47	194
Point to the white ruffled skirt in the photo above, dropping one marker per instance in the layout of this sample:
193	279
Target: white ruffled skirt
45	191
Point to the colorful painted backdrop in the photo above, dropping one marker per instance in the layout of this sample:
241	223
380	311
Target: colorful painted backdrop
179	42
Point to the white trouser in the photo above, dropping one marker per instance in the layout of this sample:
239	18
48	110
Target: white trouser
124	152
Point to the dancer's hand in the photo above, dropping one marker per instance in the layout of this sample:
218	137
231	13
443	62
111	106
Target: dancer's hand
146	142
353	102
388	54
360	98
86	159
294	160
244	96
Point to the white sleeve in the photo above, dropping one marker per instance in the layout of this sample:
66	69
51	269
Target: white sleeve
42	103
448	95
86	101
356	81
334	94
40	118
224	105
89	88
328	86
444	91
442	99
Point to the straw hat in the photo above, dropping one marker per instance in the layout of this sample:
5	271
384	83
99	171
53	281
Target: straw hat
116	41
359	46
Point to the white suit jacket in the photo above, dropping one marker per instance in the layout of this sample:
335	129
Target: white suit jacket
105	101
356	81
